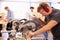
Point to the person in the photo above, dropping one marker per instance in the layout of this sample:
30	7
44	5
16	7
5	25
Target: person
9	18
3	22
53	21
29	15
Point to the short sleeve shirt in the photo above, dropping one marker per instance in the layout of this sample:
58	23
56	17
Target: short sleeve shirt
55	15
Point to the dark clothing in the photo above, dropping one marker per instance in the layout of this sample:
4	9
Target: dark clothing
9	26
0	29
55	15
46	35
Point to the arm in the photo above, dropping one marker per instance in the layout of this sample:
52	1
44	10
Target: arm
47	27
52	23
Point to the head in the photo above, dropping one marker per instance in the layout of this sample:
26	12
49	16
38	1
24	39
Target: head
6	8
31	8
44	9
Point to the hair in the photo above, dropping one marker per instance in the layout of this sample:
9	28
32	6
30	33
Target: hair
43	6
39	8
31	7
6	7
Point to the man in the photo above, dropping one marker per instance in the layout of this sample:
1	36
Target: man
53	21
10	18
30	14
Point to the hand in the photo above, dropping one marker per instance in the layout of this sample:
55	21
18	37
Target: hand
30	35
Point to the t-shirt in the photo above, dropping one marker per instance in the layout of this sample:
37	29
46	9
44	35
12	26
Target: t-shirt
55	15
29	15
10	15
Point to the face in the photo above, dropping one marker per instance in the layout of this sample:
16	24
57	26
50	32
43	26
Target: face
7	9
31	9
43	12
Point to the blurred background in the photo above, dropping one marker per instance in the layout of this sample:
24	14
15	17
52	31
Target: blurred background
20	7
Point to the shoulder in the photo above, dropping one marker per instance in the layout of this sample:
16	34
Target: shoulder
56	15
10	11
56	12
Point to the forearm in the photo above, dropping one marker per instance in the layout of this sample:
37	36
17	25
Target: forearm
41	30
47	27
